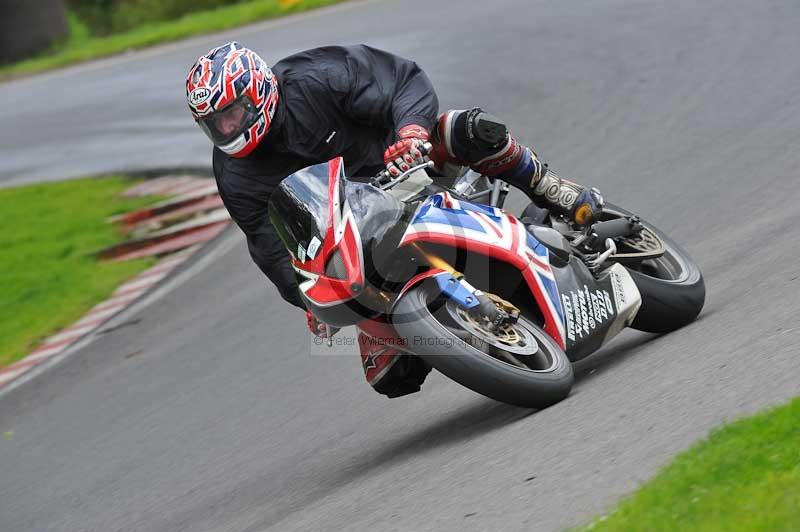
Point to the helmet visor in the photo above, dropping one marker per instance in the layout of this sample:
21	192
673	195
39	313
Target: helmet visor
228	123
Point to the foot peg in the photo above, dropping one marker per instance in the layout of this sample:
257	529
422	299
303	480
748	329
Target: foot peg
595	262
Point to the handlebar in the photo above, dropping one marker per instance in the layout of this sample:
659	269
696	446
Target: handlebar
385	180
391	181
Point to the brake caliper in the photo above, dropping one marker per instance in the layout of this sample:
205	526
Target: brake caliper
495	310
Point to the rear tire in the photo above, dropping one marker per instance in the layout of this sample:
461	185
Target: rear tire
667	303
435	342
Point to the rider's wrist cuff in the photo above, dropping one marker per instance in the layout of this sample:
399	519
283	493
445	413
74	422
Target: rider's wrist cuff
414	131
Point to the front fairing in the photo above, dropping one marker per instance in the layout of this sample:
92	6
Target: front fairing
486	231
336	232
578	311
299	211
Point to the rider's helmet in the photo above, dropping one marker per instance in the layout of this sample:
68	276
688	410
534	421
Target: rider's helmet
233	95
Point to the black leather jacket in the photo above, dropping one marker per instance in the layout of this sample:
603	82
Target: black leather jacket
335	100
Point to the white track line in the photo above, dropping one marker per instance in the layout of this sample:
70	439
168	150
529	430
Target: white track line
41	354
142	281
71	332
11	375
96	315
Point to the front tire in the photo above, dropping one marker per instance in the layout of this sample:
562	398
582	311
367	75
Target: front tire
421	319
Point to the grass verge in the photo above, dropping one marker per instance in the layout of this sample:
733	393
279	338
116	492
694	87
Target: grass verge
81	47
47	234
744	477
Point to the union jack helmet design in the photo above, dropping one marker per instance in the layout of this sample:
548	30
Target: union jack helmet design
232	94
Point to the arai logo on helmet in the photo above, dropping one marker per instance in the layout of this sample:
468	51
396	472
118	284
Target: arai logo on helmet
199	95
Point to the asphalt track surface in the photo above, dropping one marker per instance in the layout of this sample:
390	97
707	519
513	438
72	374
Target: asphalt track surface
207	411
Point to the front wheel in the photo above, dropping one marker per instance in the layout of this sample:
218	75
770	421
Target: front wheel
517	364
671	285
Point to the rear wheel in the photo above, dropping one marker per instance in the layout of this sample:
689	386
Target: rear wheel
517	364
672	287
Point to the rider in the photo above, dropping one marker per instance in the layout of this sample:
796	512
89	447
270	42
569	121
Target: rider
376	110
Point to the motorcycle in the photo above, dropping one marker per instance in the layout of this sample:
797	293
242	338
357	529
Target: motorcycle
501	304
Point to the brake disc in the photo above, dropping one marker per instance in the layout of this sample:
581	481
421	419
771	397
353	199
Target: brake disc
644	245
510	337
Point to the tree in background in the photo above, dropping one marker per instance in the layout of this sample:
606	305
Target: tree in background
28	27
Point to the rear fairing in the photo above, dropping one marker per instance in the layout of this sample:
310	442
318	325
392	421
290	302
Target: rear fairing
579	311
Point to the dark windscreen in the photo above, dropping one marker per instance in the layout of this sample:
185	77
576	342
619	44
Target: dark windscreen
299	210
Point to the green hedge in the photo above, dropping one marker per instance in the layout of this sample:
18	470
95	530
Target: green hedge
83	45
104	17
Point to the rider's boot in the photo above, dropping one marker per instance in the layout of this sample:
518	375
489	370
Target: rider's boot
389	371
483	142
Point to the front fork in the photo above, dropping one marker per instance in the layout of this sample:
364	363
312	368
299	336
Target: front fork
452	284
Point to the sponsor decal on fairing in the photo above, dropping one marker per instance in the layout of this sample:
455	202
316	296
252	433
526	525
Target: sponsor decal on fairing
585	311
313	247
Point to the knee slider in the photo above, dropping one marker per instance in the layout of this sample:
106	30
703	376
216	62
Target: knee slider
476	135
488	130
